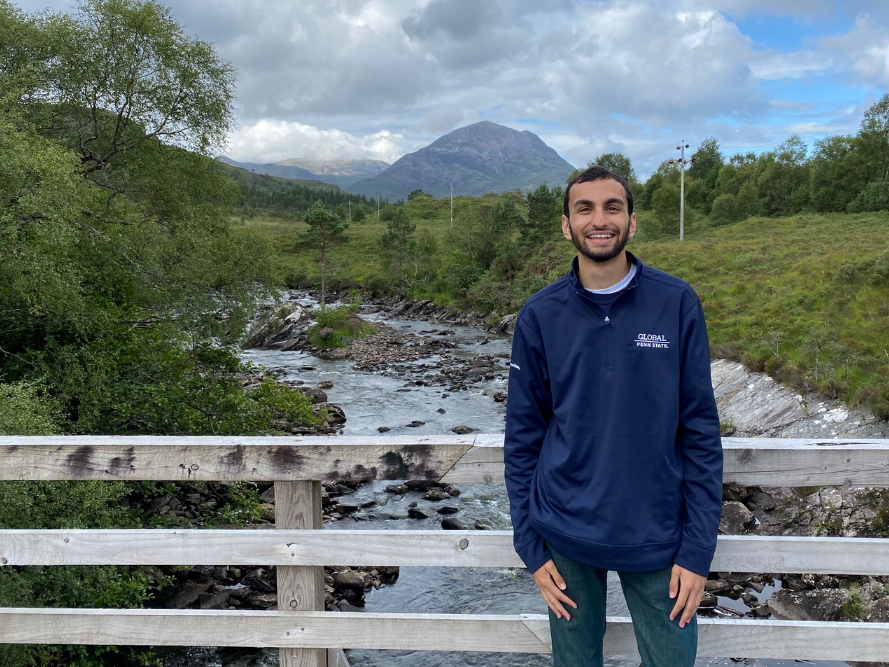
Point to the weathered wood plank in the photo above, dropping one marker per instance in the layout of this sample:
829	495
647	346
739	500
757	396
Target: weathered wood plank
750	461
405	548
229	458
298	507
784	640
336	658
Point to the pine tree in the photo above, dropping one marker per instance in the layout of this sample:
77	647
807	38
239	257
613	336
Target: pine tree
325	231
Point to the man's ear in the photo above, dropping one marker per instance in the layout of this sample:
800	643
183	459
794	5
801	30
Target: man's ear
632	225
566	227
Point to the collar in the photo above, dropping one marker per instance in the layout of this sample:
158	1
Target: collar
574	279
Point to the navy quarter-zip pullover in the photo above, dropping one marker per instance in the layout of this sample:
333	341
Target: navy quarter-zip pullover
612	450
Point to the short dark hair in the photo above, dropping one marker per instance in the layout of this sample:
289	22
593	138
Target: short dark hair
597	173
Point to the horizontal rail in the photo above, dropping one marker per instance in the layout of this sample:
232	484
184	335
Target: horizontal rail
406	548
453	459
423	632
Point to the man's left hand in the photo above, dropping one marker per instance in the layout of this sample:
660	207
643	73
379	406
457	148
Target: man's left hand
688	589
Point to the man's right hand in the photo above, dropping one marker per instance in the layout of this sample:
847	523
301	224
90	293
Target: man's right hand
551	585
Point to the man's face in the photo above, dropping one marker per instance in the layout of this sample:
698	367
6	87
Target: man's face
599	225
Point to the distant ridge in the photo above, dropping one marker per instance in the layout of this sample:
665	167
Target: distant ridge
482	157
339	172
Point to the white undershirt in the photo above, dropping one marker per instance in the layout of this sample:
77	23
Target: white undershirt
619	286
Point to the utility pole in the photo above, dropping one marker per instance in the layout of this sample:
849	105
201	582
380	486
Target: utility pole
379	197
452	203
350	210
682	162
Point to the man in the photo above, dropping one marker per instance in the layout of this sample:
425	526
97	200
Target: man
613	453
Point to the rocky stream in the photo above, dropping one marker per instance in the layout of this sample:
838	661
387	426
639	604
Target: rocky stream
429	370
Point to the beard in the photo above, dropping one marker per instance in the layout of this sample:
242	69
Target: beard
604	254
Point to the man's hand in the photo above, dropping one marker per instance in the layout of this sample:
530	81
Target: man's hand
551	584
688	589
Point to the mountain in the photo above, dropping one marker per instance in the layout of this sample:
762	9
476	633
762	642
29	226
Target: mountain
357	168
482	157
338	172
272	183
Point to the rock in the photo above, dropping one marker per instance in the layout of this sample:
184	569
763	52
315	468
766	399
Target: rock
416	423
213	600
717	586
399	489
383	429
453	524
736	518
756	585
349	580
420	484
275	325
810	605
462	429
346	508
708	601
325	384
343	605
448	509
500	396
268	496
441	411
762	500
189	593
436	494
415	513
335	414
264	601
259	580
748	598
476	373
325	332
316	395
760	610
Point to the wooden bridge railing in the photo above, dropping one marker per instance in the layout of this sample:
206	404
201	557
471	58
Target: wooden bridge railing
310	637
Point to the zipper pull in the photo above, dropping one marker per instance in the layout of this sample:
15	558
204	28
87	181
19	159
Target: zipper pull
607	320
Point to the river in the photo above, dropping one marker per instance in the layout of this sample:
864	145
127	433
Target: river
371	400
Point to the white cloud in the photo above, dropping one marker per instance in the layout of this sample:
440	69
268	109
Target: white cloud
276	140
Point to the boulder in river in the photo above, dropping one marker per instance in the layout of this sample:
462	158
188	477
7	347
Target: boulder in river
462	429
451	523
736	518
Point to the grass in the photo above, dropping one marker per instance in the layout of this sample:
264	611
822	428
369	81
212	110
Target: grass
334	327
357	263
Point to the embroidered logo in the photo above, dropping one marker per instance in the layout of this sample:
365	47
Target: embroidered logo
652	340
516	366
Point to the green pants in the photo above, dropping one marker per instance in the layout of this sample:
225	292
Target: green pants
578	642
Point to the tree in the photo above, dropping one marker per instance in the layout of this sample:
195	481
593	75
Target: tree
706	158
397	243
506	218
725	210
837	173
326	230
414	194
544	211
665	205
874	137
358	214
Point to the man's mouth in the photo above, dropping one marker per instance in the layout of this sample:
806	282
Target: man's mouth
601	237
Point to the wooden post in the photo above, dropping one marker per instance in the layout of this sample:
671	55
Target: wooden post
298	505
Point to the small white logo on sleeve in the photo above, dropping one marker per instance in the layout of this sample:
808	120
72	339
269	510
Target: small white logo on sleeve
516	366
652	340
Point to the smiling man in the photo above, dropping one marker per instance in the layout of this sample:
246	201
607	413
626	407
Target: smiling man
613	453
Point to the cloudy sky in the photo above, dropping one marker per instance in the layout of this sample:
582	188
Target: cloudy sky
380	78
